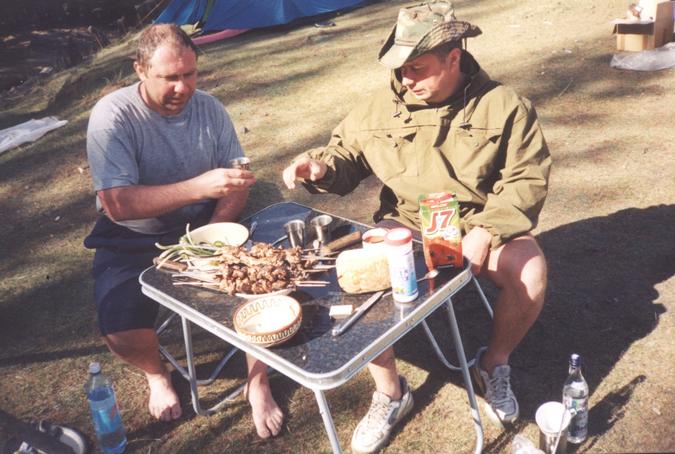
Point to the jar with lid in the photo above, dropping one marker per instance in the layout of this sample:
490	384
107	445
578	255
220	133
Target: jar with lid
401	265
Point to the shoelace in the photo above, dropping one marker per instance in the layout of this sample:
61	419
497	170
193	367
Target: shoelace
499	386
376	414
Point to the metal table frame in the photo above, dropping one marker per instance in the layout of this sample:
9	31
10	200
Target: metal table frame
318	383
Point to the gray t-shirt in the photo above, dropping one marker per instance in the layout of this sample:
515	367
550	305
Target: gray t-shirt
130	144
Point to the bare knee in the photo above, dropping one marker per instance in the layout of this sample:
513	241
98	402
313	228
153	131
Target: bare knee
520	267
125	342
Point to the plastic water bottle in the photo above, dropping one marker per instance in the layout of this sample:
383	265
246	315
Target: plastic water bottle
575	399
104	413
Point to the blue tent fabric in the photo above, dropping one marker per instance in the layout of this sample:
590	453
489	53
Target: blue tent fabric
183	12
239	14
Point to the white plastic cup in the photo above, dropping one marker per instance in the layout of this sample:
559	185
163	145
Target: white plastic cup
553	420
374	238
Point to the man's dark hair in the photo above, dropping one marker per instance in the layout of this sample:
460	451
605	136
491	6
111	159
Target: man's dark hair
155	36
441	52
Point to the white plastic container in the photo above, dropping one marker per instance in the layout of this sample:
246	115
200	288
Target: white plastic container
401	265
374	238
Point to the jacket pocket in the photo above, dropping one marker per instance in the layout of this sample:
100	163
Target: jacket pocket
391	154
475	156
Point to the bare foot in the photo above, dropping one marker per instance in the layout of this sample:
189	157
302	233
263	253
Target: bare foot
267	416
163	404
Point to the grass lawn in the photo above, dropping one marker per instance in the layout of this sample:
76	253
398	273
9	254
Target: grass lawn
606	230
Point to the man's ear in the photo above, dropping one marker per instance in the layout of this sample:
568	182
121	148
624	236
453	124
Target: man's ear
140	71
455	56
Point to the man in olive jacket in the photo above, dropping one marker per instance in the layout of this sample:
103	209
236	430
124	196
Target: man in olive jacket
444	126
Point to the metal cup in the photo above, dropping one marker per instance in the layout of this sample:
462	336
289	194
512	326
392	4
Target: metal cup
295	230
240	163
322	227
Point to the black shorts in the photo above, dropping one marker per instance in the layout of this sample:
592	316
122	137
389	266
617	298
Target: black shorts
121	256
125	307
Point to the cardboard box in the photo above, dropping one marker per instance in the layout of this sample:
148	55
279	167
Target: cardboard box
654	30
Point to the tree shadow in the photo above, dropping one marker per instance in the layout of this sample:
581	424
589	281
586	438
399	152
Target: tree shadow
610	410
603	273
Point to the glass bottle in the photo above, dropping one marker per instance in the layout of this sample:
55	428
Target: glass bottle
575	399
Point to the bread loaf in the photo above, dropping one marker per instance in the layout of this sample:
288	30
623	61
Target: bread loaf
362	270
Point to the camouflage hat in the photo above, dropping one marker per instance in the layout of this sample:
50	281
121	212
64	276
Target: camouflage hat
419	29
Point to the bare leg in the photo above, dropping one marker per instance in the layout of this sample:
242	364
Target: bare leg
267	416
140	348
383	370
519	269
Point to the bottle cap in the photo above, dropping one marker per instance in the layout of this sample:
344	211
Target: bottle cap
94	368
575	360
398	236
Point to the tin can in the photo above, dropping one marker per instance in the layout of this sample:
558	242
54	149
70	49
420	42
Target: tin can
441	233
401	265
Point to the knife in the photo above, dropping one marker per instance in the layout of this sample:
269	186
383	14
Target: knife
346	323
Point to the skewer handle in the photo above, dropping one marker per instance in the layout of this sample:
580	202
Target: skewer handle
169	264
341	243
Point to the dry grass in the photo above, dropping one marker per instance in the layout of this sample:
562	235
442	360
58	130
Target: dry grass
606	230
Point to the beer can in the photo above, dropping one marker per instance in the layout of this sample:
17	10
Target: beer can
441	233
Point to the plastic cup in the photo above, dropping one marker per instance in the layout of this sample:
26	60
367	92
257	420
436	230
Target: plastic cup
553	420
374	238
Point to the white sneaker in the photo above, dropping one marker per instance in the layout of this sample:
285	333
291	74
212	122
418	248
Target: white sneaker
374	429
500	402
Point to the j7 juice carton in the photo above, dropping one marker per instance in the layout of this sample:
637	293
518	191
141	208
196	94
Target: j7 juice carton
441	233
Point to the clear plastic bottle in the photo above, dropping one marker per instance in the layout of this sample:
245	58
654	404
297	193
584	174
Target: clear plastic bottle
401	265
575	398
105	415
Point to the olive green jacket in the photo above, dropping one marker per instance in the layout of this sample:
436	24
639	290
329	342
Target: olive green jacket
484	144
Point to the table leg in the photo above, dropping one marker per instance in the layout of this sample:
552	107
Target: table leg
437	349
457	340
181	370
327	421
483	298
192	376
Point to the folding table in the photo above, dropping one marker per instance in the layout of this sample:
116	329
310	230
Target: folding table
313	357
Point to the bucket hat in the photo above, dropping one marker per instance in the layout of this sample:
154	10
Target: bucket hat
421	28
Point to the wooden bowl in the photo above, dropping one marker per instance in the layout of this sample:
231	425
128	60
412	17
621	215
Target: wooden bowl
227	233
269	320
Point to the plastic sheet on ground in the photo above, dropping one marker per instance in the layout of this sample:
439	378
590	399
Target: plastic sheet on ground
646	60
28	131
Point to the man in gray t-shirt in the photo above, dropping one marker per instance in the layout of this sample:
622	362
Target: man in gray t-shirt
158	152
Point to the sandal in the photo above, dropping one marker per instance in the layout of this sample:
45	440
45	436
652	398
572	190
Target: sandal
69	440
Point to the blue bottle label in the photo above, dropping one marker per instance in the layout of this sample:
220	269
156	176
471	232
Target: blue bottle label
104	411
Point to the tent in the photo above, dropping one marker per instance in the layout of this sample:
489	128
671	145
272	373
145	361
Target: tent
239	15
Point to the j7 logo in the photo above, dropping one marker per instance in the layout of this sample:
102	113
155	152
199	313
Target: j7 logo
439	221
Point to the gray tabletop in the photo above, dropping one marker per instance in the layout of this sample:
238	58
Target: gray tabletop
313	356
